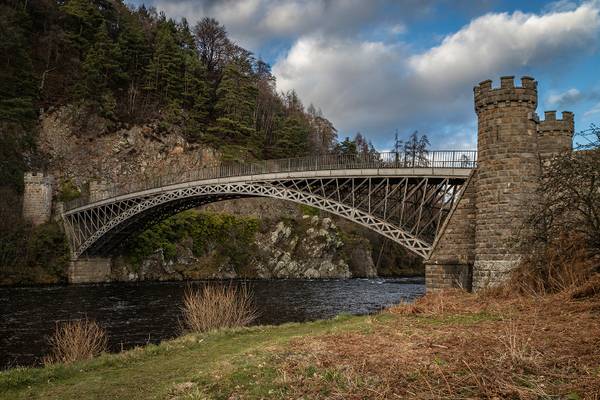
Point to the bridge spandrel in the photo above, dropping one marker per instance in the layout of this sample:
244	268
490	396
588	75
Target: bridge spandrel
405	204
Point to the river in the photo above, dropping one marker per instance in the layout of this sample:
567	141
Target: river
148	312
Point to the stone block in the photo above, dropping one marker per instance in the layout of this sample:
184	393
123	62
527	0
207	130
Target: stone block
90	270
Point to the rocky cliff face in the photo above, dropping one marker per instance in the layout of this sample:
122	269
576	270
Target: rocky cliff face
310	247
293	242
115	155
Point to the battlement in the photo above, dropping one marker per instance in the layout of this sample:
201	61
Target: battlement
488	97
37	178
555	135
550	123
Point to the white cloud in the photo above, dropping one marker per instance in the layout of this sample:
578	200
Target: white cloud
567	97
592	111
560	6
572	97
371	86
253	22
495	43
397	29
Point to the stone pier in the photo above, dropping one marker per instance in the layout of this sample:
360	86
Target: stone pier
89	270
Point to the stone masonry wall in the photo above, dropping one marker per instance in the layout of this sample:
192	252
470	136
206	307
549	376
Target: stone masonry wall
512	145
451	261
90	270
509	172
555	135
37	198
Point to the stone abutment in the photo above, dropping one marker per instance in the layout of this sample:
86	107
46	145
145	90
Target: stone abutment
474	247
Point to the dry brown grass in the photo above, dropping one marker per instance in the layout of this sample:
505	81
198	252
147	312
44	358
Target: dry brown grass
559	266
213	307
76	340
457	345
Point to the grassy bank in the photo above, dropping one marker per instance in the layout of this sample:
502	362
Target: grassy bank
453	345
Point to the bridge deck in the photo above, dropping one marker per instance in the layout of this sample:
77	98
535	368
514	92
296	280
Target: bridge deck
441	164
461	173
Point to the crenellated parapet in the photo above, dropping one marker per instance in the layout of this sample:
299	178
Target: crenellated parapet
555	135
487	97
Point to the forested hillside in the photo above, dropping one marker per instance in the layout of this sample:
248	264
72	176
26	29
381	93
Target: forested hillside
132	66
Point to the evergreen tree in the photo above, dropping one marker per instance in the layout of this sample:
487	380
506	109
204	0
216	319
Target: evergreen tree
134	56
164	78
346	147
196	97
82	19
415	149
18	93
100	69
236	102
292	137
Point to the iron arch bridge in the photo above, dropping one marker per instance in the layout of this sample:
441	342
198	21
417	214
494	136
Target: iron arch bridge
402	197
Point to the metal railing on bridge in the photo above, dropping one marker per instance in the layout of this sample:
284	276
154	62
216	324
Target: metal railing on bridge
451	159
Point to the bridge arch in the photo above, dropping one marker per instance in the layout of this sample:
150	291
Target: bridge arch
406	204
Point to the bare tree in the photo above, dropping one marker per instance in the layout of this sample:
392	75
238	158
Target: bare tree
589	138
416	149
212	42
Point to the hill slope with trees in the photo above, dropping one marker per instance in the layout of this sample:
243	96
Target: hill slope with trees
131	66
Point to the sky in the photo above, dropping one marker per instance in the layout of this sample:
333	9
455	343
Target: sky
379	66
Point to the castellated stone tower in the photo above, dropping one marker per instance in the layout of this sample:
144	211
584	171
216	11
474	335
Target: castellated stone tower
473	247
555	135
508	172
37	198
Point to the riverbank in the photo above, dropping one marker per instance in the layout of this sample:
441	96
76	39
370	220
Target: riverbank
139	313
451	345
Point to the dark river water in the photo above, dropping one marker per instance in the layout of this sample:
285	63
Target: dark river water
139	313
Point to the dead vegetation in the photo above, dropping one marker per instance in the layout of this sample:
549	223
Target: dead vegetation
76	340
458	345
213	306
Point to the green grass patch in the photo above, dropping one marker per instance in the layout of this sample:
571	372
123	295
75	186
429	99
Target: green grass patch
237	355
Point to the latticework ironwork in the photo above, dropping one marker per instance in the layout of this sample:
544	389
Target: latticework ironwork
406	204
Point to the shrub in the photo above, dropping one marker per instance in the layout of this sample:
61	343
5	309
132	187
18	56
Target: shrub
561	239
560	265
76	340
213	307
68	191
229	235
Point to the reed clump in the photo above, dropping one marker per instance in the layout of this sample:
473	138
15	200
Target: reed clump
76	340
213	307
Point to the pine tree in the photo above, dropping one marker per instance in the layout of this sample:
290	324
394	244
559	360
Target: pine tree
18	93
196	97
100	68
134	56
164	74
236	102
415	149
18	86
293	134
82	19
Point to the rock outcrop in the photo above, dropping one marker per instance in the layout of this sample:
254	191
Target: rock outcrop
310	247
291	243
114	156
